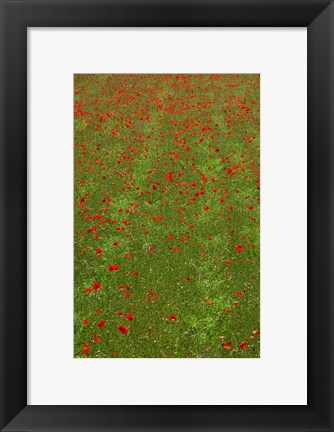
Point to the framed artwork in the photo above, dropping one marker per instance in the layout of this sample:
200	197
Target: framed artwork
149	279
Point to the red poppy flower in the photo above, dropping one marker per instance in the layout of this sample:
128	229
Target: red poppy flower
228	262
206	208
88	290
239	294
122	329
96	339
85	349
238	248
101	323
256	332
129	317
113	267
227	345
85	322
209	302
98	250
250	207
243	345
228	310
172	317
97	286
135	273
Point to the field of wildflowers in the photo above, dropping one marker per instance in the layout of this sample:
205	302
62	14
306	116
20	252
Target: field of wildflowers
167	216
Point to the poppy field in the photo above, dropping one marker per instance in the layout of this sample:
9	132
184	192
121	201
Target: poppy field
167	216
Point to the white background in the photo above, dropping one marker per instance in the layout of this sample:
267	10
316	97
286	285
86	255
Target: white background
279	377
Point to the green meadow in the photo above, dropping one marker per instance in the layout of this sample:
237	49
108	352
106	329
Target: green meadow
167	216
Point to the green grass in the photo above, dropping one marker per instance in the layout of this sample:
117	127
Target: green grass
158	156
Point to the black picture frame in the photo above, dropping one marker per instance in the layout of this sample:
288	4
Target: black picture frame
16	17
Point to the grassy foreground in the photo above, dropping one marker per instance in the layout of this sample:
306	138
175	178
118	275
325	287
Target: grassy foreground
167	216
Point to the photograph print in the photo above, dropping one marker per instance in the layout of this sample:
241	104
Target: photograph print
166	215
